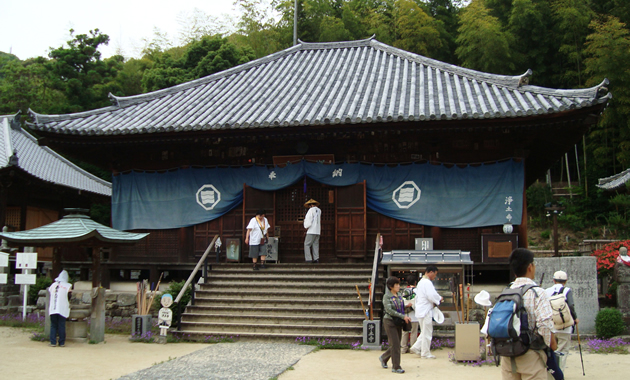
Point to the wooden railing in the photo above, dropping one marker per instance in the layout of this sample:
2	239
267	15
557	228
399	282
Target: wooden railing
190	279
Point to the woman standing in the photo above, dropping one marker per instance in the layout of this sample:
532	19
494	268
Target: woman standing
59	308
257	234
393	306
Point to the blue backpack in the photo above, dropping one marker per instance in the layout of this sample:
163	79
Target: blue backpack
508	326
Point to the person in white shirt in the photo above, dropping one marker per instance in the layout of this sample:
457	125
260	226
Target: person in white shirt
409	295
564	335
59	308
257	232
426	299
313	226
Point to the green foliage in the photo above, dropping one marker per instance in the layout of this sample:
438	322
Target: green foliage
538	194
174	289
41	283
482	43
546	234
79	73
416	30
207	56
609	323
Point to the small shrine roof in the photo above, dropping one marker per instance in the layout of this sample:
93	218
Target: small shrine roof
72	228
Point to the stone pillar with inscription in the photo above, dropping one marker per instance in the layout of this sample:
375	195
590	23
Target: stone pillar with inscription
622	276
581	277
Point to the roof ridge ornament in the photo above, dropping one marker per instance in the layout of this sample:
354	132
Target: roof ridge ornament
524	80
113	99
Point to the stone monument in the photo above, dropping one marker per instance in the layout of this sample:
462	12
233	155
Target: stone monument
622	276
582	278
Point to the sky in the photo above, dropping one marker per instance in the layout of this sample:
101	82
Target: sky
29	28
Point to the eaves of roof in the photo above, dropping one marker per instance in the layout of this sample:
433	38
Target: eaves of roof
20	149
337	83
72	228
614	182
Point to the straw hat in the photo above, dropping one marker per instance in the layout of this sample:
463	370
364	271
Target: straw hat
438	316
483	298
311	202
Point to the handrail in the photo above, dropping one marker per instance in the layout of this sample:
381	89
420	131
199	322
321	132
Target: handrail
194	272
374	272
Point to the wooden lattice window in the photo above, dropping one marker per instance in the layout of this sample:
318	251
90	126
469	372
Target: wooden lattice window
12	218
290	201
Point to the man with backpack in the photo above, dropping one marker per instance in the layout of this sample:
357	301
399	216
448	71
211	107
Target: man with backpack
564	316
523	355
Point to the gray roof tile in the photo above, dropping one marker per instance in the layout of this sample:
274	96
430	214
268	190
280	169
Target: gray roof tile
44	163
324	83
614	182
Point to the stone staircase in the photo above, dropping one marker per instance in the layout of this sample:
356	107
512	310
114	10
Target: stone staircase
281	303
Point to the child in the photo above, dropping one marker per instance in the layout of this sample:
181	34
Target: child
408	296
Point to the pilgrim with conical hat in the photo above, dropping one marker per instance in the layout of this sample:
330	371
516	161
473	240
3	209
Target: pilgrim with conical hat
313	226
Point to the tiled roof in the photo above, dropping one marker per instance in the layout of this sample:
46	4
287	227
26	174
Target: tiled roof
72	228
614	182
19	148
325	83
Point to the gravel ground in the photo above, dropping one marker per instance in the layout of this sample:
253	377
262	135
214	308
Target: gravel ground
247	361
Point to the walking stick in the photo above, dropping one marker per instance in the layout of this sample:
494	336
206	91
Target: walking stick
580	346
361	299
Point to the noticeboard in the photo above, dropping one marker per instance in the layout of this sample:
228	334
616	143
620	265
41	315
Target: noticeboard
233	249
26	260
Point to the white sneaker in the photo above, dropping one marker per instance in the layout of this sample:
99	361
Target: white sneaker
429	356
415	351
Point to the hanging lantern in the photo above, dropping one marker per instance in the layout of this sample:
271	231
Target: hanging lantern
508	228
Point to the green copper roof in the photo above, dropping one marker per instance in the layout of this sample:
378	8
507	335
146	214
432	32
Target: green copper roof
73	228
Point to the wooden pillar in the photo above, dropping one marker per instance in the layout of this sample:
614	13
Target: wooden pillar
97	322
522	229
96	267
436	234
56	263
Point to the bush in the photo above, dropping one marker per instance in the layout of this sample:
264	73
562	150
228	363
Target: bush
42	282
174	289
609	323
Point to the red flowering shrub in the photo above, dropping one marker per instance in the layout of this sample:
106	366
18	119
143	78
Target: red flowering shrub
607	256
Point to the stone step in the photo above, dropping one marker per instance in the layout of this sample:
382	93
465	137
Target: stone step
202	336
297	302
267	275
284	320
296	329
271	311
275	293
310	285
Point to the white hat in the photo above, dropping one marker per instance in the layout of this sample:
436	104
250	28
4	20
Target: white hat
483	298
438	316
560	276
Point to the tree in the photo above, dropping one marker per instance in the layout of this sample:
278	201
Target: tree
80	74
608	51
482	45
416	30
572	18
207	56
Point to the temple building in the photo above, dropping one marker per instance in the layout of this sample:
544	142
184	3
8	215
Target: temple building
387	141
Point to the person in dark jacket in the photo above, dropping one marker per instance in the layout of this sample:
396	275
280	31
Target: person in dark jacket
393	306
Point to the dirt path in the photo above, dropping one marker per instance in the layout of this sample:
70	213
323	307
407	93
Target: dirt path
22	358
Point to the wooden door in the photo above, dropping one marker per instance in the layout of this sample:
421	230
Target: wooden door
254	200
351	222
290	212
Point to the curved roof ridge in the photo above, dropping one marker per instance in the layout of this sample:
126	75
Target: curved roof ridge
511	80
41	118
590	92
